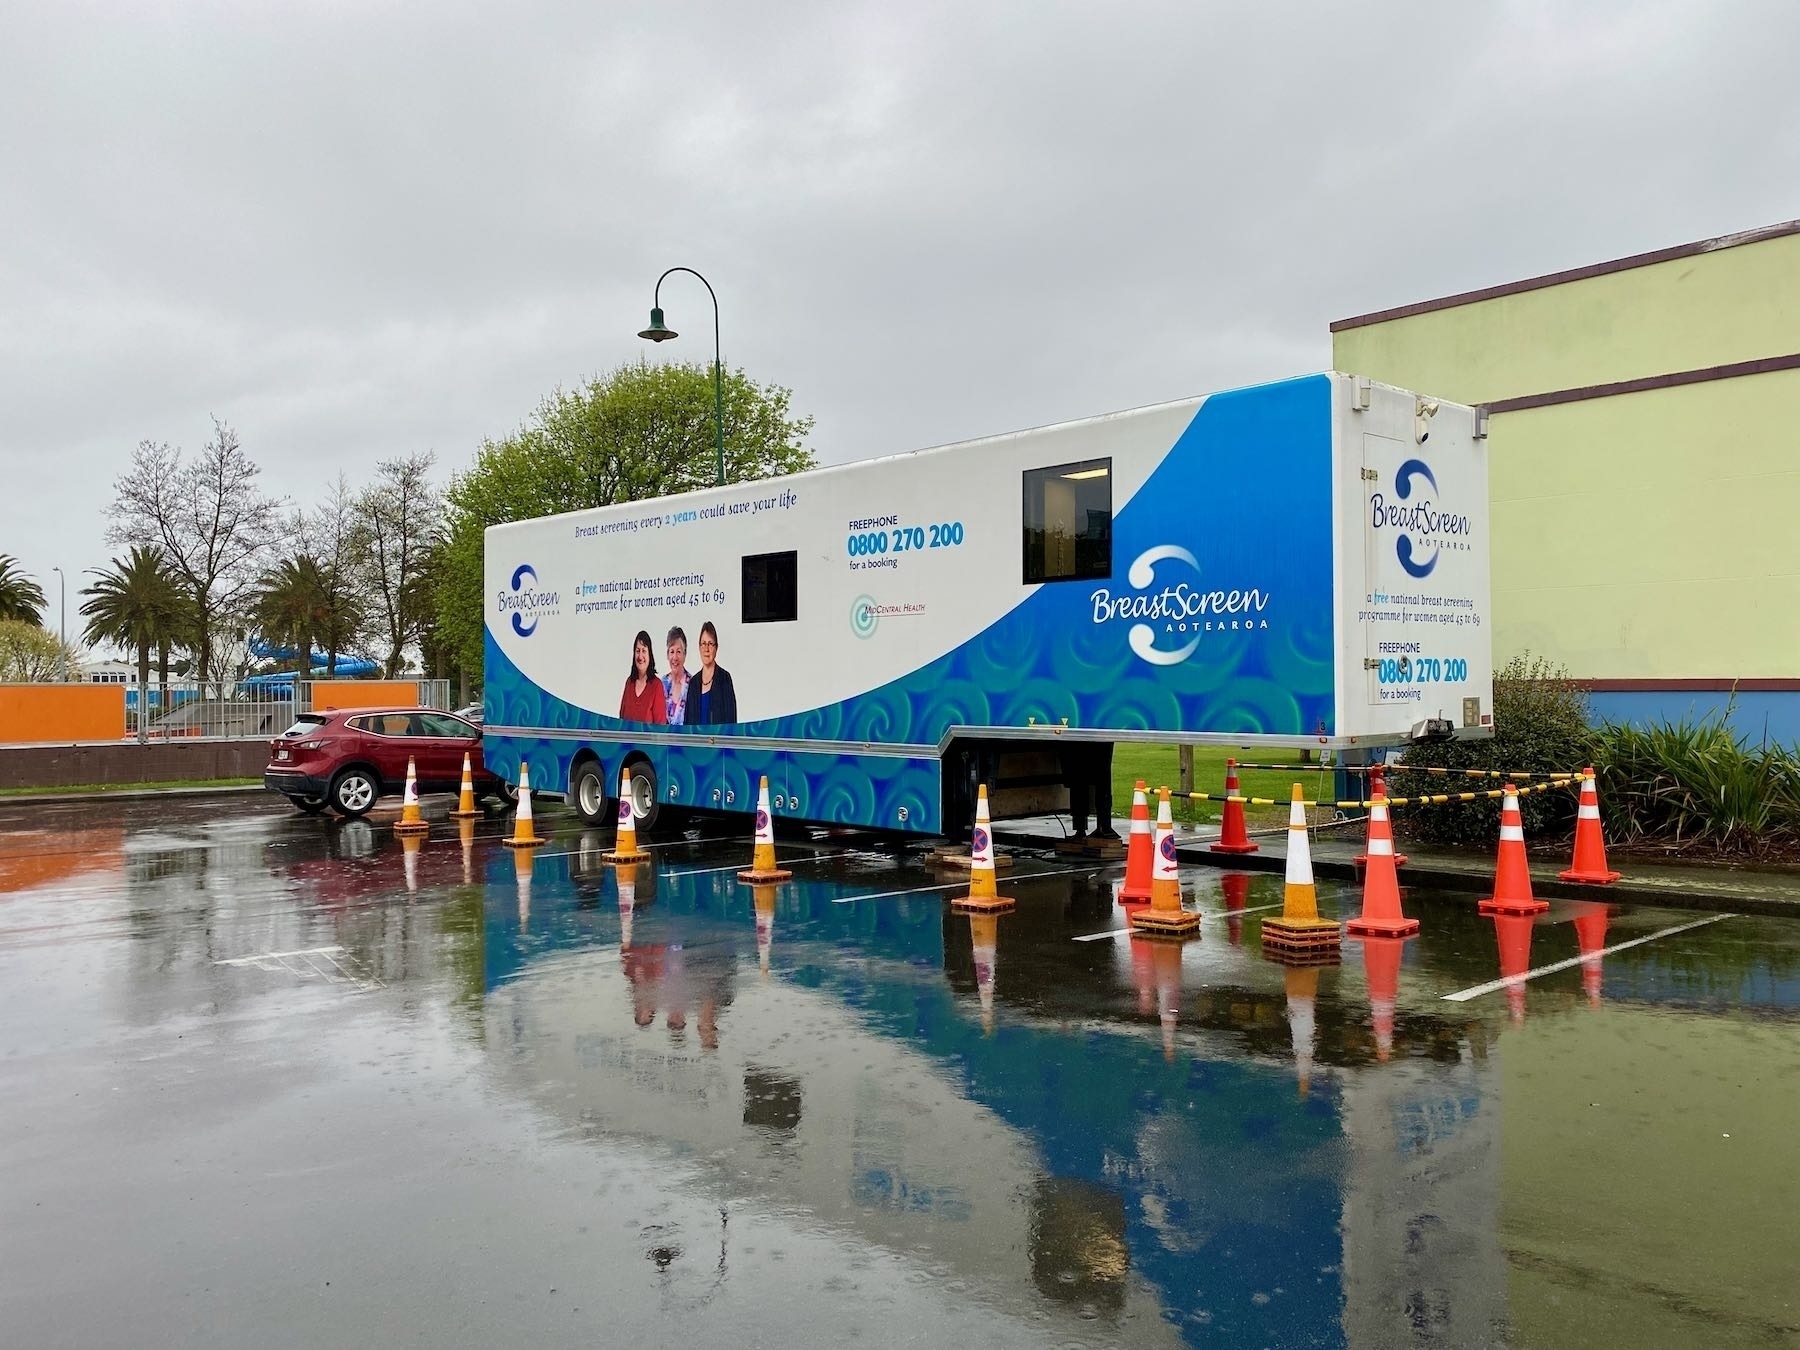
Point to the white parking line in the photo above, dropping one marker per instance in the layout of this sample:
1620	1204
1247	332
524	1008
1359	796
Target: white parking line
1493	986
1205	914
744	866
276	956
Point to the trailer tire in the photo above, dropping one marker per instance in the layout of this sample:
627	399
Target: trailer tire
587	794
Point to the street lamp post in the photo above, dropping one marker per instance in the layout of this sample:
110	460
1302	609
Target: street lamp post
658	331
62	620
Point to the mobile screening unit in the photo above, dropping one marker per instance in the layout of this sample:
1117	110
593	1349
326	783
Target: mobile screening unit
1300	564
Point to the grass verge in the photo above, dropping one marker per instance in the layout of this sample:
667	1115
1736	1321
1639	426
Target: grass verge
97	788
1159	766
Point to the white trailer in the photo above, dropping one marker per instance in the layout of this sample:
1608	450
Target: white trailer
1300	564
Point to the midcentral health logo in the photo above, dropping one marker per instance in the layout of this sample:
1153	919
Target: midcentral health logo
525	602
863	621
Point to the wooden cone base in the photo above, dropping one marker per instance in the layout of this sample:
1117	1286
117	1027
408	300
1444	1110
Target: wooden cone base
768	874
1305	957
411	827
1302	936
513	841
982	904
1164	923
1529	906
959	860
616	859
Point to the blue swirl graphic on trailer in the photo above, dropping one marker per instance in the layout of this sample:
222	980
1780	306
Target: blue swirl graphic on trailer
1228	630
1403	548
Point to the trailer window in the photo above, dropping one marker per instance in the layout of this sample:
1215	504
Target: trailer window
771	587
1068	522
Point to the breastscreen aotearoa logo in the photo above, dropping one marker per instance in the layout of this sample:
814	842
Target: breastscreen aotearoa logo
526	603
1178	608
1425	529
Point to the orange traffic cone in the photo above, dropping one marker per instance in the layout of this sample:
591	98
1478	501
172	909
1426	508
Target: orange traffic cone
1512	932
1167	960
984	940
410	844
523	835
983	897
1381	971
1300	930
1378	788
1381	916
1302	1000
1233	837
1512	873
625	845
762	867
1164	917
1236	888
465	799
1136	890
410	821
764	899
1589	866
1590	937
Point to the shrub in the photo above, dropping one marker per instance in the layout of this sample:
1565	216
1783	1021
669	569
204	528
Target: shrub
1540	726
1697	785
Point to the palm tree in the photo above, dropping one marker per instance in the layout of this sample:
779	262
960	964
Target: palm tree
20	597
292	605
137	605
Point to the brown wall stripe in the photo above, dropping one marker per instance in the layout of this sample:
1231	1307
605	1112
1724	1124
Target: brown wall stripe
1761	366
1661	255
1758	686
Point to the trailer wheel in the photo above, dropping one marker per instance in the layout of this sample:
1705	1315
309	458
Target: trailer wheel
645	793
588	791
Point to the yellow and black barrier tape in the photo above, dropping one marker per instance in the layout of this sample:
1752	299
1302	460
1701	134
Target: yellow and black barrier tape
1432	799
1394	770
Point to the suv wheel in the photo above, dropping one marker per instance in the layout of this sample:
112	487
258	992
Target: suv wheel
354	791
589	794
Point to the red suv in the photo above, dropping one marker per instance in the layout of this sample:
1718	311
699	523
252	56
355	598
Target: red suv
346	760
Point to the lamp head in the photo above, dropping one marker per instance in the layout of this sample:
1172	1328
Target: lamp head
658	331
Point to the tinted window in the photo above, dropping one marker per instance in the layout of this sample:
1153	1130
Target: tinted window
305	725
441	724
1068	522
771	588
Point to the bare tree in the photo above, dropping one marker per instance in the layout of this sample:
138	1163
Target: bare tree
209	518
333	533
399	513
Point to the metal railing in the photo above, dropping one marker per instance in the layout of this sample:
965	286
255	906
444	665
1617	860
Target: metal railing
237	712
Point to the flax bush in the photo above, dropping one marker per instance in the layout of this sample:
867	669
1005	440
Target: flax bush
1540	726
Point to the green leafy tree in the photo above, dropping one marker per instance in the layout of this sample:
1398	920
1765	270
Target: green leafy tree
30	654
290	605
637	432
20	596
136	604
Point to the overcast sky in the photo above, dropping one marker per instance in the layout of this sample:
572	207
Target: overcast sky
359	229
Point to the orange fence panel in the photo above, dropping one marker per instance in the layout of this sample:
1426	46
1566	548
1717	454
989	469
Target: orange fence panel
330	694
61	713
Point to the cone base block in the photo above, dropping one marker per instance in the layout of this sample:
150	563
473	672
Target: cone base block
1361	860
1301	936
1387	928
960	860
1495	905
982	904
465	815
1106	850
1304	958
615	858
524	843
1170	923
1588	878
765	876
1236	848
411	827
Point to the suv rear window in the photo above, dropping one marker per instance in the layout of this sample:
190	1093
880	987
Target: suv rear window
306	724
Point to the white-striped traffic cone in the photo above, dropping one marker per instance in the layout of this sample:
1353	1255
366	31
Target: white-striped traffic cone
465	798
762	869
1300	931
410	822
984	895
625	845
523	835
1164	917
1512	871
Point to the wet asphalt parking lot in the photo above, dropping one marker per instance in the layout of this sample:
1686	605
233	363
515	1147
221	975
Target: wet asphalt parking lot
273	1080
